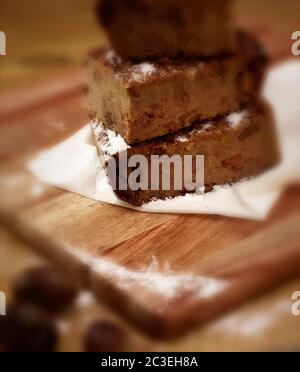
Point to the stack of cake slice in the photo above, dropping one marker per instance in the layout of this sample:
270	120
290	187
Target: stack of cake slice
179	80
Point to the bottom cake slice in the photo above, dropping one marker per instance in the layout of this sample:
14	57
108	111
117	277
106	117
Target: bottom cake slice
234	147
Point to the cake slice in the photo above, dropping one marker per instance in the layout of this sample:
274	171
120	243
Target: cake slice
151	99
236	146
140	29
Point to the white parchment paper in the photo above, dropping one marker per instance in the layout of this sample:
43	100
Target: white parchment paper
74	164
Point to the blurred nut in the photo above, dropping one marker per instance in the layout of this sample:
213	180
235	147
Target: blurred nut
47	287
105	337
27	328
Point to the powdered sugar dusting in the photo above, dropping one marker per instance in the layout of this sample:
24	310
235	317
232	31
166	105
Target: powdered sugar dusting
204	127
253	324
186	138
160	281
111	142
142	71
155	279
236	118
147	68
182	139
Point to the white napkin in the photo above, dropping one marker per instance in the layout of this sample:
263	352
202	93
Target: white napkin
74	164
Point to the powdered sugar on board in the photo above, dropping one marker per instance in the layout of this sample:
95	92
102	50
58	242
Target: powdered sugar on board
160	281
253	325
156	279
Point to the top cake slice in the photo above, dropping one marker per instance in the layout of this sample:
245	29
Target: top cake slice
140	29
151	99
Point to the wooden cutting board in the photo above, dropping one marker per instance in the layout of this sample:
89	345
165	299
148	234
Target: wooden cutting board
166	273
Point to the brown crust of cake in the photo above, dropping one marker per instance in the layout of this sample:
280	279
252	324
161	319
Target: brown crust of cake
230	153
